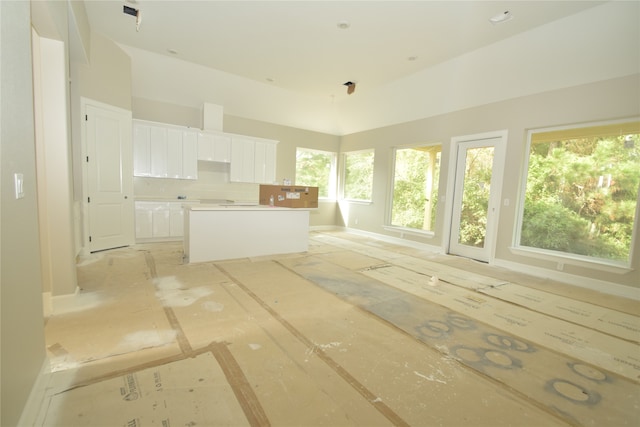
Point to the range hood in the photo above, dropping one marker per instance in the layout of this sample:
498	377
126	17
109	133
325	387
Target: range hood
212	117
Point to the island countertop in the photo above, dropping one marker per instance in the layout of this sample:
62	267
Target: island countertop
238	206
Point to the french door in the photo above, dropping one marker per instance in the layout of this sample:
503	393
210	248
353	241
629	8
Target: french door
477	187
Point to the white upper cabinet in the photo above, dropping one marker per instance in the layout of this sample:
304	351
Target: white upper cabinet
164	151
214	147
158	150
252	160
174	153
169	151
190	155
242	159
141	150
265	162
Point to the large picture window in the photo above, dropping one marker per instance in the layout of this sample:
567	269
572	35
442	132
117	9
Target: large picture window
317	168
358	175
581	192
415	187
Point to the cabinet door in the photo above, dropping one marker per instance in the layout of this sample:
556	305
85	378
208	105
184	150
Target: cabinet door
259	159
190	155
222	148
176	220
265	162
158	138
270	163
214	147
141	150
174	153
242	168
161	217
144	220
205	147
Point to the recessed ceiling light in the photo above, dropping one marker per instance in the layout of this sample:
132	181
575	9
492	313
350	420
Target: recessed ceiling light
501	17
343	25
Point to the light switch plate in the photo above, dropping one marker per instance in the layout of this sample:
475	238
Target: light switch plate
19	184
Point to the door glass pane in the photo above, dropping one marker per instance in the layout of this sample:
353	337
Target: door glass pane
475	197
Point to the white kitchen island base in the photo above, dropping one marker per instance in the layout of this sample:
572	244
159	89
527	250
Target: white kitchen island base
219	232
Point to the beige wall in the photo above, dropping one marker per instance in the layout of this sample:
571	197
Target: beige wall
22	326
212	180
107	77
612	99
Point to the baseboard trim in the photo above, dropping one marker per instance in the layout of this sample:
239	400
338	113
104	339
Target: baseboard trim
601	286
325	228
31	415
396	240
570	279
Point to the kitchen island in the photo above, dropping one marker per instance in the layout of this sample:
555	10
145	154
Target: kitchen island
228	231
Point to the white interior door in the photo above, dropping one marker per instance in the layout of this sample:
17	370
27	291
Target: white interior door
477	188
109	177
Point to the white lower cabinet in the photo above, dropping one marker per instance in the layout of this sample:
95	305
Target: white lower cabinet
159	221
144	221
176	220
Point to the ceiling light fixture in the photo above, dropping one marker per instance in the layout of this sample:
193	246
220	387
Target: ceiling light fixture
412	58
172	51
502	17
343	25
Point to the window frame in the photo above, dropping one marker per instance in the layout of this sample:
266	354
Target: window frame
562	258
343	175
392	175
333	175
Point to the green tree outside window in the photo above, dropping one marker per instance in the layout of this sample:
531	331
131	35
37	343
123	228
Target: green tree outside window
582	191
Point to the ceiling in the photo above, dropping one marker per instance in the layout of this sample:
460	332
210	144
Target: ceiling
298	45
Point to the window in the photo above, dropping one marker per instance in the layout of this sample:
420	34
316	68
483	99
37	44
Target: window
317	169
415	187
358	175
581	193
